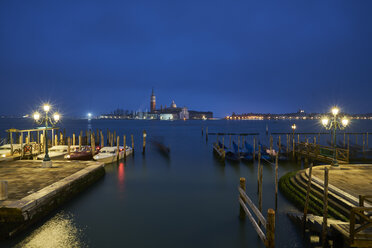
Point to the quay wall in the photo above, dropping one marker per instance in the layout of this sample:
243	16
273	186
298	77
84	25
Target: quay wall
18	215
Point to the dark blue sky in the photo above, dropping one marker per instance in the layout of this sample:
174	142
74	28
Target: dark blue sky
223	56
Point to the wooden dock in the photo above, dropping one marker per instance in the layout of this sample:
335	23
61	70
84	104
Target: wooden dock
319	153
31	192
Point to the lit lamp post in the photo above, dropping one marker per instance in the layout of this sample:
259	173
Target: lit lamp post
333	124
46	120
293	129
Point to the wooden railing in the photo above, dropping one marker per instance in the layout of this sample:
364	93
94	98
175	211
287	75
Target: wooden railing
326	151
269	224
363	215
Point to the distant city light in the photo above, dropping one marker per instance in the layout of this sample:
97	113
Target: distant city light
89	115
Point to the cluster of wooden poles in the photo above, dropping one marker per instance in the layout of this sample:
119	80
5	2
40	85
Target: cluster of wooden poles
90	138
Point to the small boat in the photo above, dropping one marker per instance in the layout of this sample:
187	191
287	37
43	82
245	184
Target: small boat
232	156
264	155
6	150
161	148
247	156
56	152
109	154
85	153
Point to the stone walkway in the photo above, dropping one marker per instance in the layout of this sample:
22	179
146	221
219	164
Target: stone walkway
353	179
26	176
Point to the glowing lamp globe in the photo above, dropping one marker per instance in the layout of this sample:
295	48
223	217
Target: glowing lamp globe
36	116
46	107
345	122
56	117
335	111
325	121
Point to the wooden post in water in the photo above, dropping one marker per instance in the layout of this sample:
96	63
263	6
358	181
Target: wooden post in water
254	149
114	141
260	190
61	138
243	142
56	140
293	148
325	208
348	143
73	139
98	137
276	181
206	134
242	186
125	146
270	229
307	197
102	140
117	146
279	144
21	142
287	136
93	144
131	136
364	140
80	141
298	138
314	140
68	145
64	136
238	144
144	141
202	131
52	137
258	169
108	137
230	141
271	143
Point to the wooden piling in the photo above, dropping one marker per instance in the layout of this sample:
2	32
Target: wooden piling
258	169
230	141
270	229
80	141
125	146
325	208
21	141
271	143
243	187
56	140
131	136
344	140
293	149
93	144
144	141
364	140
314	139
298	138
287	144
118	146
64	136
254	149
276	181
348	143
260	189
367	142
206	134
202	131
279	144
102	140
114	141
68	146
73	139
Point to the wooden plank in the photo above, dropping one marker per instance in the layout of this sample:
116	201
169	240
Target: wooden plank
252	206
253	221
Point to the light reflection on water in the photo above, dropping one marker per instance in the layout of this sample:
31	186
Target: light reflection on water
59	231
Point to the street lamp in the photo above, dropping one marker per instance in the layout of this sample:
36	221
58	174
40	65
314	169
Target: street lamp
46	120
293	128
333	123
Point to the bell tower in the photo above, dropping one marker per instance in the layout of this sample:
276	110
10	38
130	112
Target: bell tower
152	101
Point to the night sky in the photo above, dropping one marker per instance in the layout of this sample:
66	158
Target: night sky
223	56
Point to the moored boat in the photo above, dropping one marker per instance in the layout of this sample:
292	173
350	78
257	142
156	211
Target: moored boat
110	154
55	152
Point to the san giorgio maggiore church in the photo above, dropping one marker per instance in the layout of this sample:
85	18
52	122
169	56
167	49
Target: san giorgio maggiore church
174	113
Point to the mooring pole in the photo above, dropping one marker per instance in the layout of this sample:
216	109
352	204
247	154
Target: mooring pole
325	208
144	141
276	181
243	187
125	146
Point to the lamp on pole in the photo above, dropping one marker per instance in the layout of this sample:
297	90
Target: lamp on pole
293	129
333	123
46	120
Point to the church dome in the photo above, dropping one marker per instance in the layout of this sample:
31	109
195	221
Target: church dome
173	104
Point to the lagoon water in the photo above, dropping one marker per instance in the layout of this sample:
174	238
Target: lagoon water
187	200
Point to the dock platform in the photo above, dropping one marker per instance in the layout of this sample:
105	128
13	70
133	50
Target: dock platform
33	191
